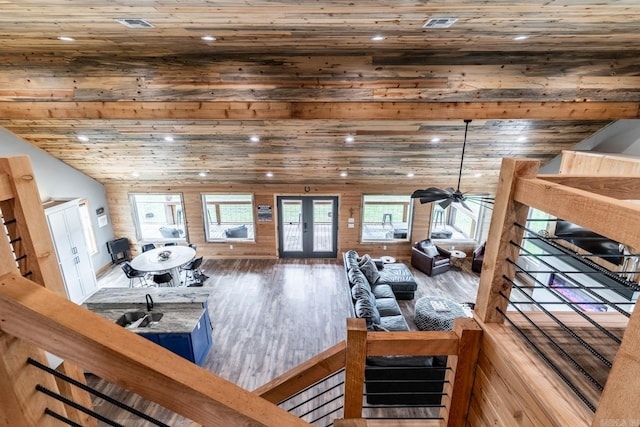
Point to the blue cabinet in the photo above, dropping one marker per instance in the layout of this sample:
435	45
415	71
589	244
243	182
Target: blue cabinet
192	346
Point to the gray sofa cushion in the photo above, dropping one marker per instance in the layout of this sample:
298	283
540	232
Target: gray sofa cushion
398	276
366	309
394	323
382	291
361	290
356	274
351	260
400	361
387	307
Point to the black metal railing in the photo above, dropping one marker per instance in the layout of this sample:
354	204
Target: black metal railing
405	392
569	309
10	227
320	403
105	420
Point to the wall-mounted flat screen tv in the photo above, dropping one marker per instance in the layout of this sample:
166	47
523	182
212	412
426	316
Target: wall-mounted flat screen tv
591	242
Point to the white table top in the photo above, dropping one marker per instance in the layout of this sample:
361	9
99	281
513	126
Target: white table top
149	261
458	254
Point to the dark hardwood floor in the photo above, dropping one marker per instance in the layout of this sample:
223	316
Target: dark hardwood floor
269	316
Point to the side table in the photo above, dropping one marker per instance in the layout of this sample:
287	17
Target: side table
457	257
387	259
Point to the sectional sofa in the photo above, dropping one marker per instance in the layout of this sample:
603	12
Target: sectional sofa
391	380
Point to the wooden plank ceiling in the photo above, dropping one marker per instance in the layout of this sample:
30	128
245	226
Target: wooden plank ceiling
166	105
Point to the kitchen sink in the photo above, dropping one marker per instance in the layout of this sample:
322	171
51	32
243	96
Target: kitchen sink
138	319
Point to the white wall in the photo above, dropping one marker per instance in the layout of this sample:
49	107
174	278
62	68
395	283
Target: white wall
620	137
57	180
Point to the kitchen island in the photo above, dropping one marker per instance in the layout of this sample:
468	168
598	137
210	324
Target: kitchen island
174	318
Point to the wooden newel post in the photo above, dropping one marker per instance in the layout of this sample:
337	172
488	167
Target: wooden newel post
506	212
354	367
461	374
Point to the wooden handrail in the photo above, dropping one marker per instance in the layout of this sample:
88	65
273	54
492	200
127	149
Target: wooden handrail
416	343
302	376
51	322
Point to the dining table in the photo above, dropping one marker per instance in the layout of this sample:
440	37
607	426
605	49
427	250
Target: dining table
163	259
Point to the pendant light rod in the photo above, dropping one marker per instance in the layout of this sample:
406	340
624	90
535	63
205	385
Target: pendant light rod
466	127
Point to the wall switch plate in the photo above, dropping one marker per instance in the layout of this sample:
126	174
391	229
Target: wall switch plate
230	246
384	247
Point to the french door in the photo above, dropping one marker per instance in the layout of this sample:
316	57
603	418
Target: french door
307	226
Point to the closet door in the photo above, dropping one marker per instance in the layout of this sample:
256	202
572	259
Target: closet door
73	257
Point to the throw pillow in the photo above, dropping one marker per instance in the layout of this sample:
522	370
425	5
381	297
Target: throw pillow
432	251
370	271
363	260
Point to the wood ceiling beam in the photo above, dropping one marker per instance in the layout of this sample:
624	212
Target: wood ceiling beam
263	110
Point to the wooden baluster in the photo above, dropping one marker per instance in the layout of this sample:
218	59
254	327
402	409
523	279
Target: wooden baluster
354	367
506	212
461	374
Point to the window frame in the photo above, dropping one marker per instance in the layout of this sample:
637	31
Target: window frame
182	225
251	232
408	210
449	216
87	226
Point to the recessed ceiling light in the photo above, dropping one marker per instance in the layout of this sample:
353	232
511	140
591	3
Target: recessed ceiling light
410	175
202	174
168	138
135	174
520	38
349	139
254	138
344	174
378	38
522	139
66	39
478	175
83	138
208	38
269	174
435	139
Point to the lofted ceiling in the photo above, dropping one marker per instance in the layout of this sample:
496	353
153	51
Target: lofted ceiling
161	103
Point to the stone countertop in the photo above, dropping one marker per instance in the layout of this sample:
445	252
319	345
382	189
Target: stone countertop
181	307
116	298
174	320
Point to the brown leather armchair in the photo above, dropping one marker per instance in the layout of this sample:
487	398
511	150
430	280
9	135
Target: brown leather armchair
477	258
429	261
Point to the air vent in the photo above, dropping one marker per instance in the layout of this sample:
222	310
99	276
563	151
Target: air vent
134	23
440	22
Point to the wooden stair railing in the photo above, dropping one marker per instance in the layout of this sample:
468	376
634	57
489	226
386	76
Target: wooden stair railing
35	315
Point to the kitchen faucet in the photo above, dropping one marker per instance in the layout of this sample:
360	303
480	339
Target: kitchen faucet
149	302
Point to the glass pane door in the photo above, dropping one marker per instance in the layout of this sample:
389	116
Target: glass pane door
307	227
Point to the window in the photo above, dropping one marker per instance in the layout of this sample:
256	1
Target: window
386	217
228	217
458	222
87	227
158	217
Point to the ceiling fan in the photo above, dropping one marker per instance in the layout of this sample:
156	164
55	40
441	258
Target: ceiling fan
449	195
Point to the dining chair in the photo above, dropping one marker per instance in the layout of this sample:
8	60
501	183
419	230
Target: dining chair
191	269
171	244
163	279
133	274
148	247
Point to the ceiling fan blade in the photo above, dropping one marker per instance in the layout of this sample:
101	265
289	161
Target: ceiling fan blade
431	194
464	205
445	203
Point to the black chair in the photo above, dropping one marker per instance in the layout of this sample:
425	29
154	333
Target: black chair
163	279
171	244
133	274
193	246
192	269
148	247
